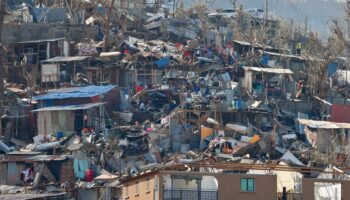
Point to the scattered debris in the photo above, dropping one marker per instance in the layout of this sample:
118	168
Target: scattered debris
177	97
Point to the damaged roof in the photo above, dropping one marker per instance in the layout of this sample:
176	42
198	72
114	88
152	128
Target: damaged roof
323	124
24	153
48	157
75	92
244	43
39	41
67	59
298	57
34	196
269	70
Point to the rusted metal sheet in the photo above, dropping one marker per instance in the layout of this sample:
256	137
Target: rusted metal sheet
3	173
340	113
12	173
88	194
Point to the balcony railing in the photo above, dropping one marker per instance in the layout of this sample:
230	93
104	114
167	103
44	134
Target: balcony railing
291	196
180	194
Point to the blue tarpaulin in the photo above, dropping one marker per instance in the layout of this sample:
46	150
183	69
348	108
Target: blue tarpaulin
332	68
80	166
75	92
265	59
162	63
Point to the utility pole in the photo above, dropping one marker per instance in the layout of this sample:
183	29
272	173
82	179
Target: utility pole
266	10
348	15
108	26
233	2
348	24
2	16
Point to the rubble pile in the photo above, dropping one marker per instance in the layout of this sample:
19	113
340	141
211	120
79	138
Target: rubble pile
166	93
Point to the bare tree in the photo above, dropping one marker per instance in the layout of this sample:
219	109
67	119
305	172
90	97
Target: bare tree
76	7
181	12
233	2
321	56
200	9
337	152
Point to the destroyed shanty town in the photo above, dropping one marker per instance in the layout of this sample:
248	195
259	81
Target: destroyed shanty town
173	100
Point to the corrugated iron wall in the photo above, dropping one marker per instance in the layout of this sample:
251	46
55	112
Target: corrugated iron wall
340	113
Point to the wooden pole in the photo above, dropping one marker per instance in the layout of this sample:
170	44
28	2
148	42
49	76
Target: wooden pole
348	17
174	2
2	16
266	10
108	26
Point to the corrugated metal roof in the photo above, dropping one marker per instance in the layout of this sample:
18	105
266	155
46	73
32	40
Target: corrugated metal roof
75	92
305	58
269	70
24	153
43	40
71	107
48	157
67	59
323	124
61	195
244	43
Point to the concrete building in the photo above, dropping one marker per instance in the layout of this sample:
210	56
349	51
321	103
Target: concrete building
314	188
277	182
171	185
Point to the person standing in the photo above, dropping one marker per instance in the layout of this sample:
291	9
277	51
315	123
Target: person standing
298	47
164	48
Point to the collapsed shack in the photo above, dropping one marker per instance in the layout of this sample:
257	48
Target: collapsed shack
156	102
329	139
58	71
12	164
269	82
17	120
132	141
193	102
54	168
180	28
24	58
106	69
